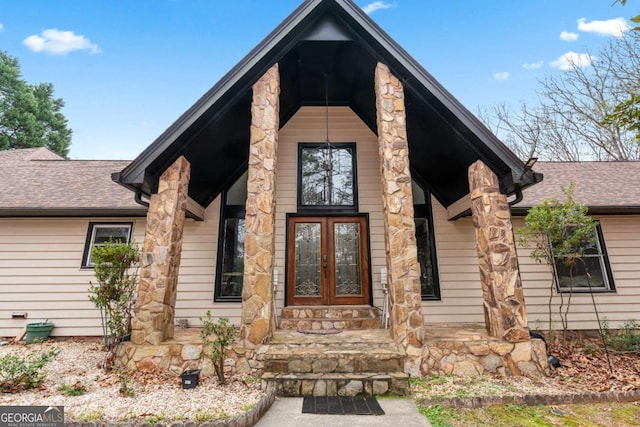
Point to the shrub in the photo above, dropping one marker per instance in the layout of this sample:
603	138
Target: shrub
116	274
626	339
19	373
224	334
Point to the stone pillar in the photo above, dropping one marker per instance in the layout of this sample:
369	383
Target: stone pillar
259	241
154	311
397	203
504	309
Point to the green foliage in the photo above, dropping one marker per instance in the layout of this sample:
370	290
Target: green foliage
125	383
116	274
438	415
19	373
627	339
626	115
558	229
29	114
77	389
213	347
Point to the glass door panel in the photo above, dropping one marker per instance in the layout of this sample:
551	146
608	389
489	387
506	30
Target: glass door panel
327	261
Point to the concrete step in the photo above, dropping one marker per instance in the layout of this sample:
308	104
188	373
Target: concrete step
334	384
330	317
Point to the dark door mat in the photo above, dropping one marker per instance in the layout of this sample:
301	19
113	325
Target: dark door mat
341	405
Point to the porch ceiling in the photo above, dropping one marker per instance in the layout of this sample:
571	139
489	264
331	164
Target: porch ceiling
327	50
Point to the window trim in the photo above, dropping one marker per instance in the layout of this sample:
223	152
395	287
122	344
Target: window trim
605	266
330	209
425	211
226	212
88	244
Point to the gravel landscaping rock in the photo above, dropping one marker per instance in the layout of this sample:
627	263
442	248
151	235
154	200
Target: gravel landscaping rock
157	397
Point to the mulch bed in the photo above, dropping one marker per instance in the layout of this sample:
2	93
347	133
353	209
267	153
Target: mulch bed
585	365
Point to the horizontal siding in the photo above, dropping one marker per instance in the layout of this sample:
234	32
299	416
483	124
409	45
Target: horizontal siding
40	273
461	293
622	240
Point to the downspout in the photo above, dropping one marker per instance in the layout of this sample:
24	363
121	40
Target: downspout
138	199
518	198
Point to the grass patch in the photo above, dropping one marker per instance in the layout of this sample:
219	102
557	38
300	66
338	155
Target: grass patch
77	389
438	415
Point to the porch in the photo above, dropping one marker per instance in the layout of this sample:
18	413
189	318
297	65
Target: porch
334	357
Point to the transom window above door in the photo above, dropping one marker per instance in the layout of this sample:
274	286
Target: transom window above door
327	177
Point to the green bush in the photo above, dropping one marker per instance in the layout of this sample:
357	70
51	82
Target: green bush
626	339
224	334
19	373
115	268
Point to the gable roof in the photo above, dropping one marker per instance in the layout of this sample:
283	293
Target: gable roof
38	182
336	42
605	187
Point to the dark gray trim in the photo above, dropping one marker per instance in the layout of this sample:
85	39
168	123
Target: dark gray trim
592	210
71	212
88	245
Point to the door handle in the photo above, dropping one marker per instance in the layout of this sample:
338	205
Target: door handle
324	265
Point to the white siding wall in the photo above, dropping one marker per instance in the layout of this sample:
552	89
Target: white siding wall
460	290
622	239
40	274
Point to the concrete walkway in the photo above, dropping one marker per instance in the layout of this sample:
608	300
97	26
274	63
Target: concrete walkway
287	411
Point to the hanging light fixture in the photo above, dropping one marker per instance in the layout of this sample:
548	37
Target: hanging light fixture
328	155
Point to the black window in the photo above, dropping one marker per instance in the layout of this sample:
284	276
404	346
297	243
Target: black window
230	266
101	232
327	177
423	219
591	271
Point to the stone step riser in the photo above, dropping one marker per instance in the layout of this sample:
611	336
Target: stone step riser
329	313
331	365
323	323
338	385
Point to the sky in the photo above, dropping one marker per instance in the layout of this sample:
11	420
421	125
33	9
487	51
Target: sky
127	70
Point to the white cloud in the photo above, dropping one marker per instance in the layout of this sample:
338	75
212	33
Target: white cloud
504	75
376	5
56	42
532	65
143	123
572	59
1	26
568	36
610	27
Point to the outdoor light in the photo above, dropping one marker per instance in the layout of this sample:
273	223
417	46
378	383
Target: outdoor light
529	163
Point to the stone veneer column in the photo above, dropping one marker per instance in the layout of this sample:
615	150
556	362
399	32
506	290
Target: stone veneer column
397	203
259	240
504	309
153	320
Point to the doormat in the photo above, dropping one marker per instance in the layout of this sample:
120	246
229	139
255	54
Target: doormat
319	331
341	405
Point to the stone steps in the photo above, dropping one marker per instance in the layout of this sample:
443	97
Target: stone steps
348	363
330	317
333	384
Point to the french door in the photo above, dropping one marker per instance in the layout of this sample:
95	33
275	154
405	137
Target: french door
328	261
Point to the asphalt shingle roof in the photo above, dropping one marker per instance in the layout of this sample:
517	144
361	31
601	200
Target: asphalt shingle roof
608	185
38	180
